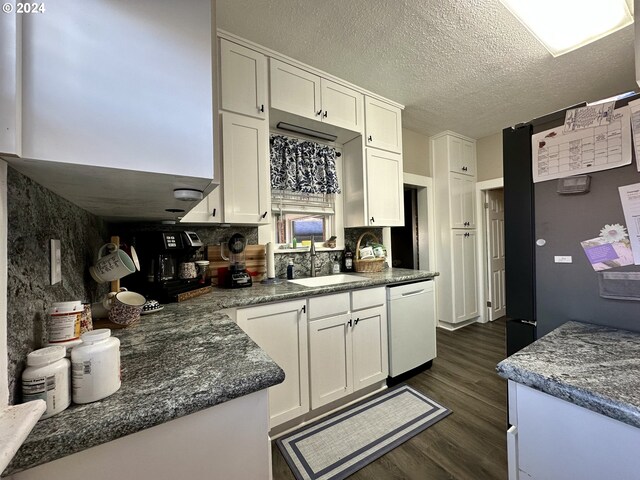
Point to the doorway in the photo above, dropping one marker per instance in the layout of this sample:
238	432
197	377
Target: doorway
404	240
494	248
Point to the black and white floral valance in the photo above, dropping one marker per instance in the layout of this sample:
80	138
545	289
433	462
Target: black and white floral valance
303	166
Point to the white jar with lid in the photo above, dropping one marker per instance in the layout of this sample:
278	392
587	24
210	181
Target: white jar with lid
95	366
47	377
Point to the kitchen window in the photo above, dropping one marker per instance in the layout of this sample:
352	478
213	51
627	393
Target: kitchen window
305	192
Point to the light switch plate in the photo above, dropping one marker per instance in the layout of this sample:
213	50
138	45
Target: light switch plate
56	262
563	259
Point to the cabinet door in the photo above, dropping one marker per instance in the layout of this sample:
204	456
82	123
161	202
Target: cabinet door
330	359
10	92
136	96
294	90
245	151
370	347
342	106
462	201
383	125
385	198
243	77
462	156
465	298
207	211
280	329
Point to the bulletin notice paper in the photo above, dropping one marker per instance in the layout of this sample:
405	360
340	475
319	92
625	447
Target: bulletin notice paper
630	197
607	144
635	129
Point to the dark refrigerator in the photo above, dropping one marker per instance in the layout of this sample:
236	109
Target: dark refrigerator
540	293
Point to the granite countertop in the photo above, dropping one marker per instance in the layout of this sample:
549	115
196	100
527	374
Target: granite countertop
175	362
592	366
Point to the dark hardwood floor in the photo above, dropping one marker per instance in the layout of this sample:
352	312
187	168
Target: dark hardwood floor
471	442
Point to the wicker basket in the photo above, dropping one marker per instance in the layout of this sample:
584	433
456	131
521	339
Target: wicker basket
369	265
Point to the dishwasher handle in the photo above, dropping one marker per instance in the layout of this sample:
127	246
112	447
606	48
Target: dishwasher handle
413	293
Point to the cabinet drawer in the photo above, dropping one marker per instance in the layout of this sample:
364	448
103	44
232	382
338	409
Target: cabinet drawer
328	305
372	297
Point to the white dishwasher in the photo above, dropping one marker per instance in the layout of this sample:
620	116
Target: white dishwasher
411	318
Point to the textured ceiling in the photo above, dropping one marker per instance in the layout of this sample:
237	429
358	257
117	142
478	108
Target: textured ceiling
462	65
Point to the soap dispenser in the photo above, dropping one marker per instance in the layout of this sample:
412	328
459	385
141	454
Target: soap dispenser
290	272
336	264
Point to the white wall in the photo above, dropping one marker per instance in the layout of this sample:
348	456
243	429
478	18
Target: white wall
4	381
489	154
415	153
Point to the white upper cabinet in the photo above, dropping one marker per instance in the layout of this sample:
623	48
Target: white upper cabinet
126	85
10	84
342	106
208	210
383	125
295	90
245	162
299	92
243	80
111	107
385	199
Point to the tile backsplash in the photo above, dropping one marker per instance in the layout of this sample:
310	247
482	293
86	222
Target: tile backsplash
35	216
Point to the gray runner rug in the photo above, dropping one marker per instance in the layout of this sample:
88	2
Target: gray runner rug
337	446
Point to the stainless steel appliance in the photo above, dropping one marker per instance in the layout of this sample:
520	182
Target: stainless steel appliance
411	321
160	255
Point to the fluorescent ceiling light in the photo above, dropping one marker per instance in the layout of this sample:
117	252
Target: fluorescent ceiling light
564	25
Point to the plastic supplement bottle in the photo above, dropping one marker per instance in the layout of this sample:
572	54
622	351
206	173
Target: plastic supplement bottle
95	366
47	377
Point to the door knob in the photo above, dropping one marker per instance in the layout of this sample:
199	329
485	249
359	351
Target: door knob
261	108
214	213
319	112
373	220
264	215
325	114
370	138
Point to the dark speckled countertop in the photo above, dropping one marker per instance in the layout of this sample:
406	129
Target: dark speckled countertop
592	366
178	361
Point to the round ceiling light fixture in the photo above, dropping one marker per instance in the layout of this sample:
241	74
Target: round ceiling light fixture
188	194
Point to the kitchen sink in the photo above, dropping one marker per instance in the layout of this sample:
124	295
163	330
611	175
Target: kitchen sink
327	280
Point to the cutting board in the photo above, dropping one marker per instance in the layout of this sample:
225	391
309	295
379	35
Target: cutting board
255	258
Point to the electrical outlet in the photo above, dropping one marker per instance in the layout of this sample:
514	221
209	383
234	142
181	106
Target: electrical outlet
56	262
563	259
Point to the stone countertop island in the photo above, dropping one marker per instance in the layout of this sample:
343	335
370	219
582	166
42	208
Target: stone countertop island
591	366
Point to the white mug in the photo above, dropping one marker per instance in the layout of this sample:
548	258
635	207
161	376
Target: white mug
112	266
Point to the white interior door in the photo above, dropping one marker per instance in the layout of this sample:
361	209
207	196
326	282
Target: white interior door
495	246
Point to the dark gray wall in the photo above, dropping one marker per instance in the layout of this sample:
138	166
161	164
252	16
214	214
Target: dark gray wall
570	291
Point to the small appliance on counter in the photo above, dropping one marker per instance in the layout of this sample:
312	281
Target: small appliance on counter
167	265
237	276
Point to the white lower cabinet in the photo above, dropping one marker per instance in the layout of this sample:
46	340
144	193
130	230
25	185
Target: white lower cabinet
280	329
347	352
330	359
329	347
554	439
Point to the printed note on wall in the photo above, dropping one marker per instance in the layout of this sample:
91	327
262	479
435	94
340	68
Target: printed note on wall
635	129
630	198
607	145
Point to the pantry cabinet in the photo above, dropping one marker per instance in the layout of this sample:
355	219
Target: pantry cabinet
310	96
245	164
462	201
280	329
464	290
454	167
373	187
383	125
348	351
243	80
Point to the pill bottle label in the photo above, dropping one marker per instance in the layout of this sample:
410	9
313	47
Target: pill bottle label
64	327
44	388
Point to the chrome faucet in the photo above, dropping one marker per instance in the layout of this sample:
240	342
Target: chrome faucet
312	254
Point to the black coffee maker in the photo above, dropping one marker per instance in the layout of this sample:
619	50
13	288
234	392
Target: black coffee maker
161	254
